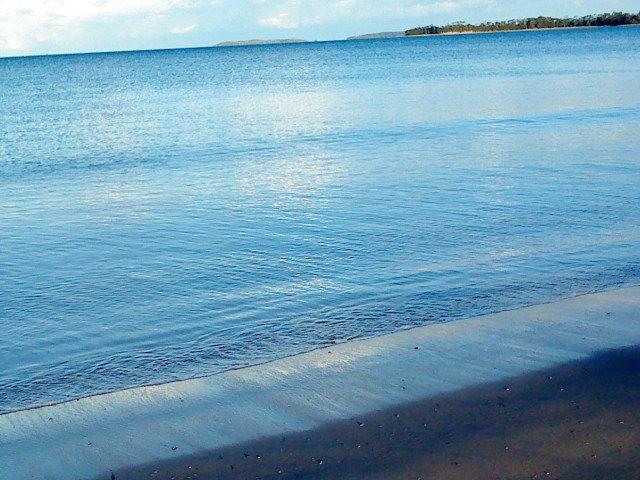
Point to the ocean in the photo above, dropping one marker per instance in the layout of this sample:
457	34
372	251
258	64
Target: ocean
172	214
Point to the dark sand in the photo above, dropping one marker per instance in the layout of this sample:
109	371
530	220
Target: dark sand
577	421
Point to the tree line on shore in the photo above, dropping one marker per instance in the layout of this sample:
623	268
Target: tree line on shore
602	20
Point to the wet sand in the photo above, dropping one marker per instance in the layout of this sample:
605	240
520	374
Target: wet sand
579	420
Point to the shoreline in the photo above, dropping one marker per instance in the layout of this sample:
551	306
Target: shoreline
267	362
112	432
471	32
575	420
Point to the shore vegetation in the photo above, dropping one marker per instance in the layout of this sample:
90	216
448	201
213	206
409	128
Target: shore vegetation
602	20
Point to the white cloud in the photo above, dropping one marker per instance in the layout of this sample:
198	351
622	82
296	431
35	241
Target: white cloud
187	29
282	20
30	22
288	20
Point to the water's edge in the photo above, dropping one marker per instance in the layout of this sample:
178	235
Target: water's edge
322	347
83	438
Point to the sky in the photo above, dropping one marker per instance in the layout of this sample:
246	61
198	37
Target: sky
37	27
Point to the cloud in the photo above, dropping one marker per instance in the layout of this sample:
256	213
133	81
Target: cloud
282	20
181	30
286	20
29	22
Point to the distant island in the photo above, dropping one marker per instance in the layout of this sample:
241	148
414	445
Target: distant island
603	20
259	42
378	35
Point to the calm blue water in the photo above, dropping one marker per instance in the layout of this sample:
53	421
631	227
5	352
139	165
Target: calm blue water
170	214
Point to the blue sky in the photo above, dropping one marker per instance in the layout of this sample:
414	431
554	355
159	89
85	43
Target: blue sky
31	27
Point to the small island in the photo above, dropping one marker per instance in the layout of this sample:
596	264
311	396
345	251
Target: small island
241	43
370	36
604	20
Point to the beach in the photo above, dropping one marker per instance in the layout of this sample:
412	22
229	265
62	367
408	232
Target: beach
551	387
577	420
